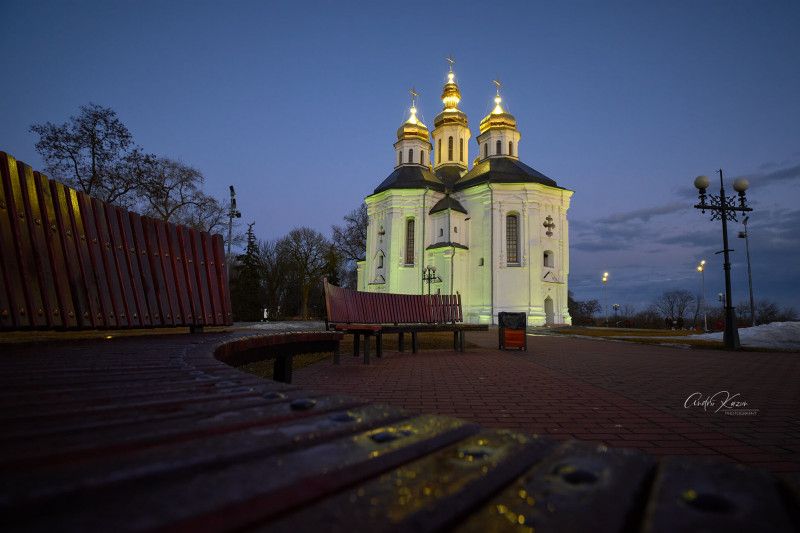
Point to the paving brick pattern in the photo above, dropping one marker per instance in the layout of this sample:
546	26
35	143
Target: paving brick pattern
620	394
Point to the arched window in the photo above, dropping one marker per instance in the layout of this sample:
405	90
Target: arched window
399	157
449	148
439	152
441	232
510	148
485	150
380	260
512	239
461	150
422	157
499	145
410	155
548	259
410	242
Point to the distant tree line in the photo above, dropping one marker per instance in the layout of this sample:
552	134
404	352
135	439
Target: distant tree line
676	309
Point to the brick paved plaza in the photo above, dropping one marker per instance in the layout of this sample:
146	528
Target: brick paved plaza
621	394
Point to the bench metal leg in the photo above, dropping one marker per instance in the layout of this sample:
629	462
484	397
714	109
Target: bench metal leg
414	344
401	341
461	336
455	340
366	349
282	369
356	344
379	344
336	354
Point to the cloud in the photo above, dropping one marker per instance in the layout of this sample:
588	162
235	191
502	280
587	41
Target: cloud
644	214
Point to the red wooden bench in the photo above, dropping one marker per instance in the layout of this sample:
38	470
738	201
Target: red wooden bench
70	261
368	314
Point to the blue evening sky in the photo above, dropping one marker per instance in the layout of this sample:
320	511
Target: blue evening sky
297	104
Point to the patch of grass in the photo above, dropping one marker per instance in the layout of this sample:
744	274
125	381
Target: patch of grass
622	332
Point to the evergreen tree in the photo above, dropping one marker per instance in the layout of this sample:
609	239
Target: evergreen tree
247	288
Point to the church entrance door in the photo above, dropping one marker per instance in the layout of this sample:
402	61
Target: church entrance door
549	315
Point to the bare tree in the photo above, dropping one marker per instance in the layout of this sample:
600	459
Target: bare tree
93	152
307	253
350	242
673	305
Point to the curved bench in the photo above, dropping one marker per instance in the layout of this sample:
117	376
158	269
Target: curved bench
146	433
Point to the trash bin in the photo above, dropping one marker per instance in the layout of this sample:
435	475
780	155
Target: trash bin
512	331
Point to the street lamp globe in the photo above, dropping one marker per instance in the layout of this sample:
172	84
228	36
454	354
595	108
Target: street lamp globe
702	182
741	185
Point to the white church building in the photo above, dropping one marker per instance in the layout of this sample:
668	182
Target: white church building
496	231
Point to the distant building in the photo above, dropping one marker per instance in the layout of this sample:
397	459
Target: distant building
496	233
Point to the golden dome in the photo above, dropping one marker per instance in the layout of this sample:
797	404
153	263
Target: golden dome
498	118
413	128
451	96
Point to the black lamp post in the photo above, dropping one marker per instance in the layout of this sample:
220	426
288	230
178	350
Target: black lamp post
724	208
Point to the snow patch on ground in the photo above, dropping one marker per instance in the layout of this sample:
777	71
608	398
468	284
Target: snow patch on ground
778	335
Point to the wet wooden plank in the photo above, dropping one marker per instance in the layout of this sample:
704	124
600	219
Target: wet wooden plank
86	222
695	495
580	487
258	489
13	307
38	228
31	310
429	494
63	264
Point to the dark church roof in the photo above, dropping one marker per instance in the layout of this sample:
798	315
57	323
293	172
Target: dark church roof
502	170
448	202
449	174
411	177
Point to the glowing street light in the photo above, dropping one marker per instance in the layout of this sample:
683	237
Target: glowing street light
605	310
701	267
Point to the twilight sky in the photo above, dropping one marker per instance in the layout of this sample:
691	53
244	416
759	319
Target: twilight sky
297	104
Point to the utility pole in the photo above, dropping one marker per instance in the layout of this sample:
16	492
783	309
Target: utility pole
746	236
232	213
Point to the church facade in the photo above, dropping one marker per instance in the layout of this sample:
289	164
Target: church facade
495	231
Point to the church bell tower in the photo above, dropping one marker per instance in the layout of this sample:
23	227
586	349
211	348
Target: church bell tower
451	132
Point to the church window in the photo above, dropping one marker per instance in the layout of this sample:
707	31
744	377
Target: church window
497	150
485	150
410	242
449	148
410	155
439	152
400	157
512	239
510	148
380	260
422	157
455	229
441	232
548	259
461	150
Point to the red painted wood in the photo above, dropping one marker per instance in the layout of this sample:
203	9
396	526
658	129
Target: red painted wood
34	308
122	274
71	218
187	261
128	253
14	307
173	254
209	273
141	256
162	279
199	259
60	264
109	256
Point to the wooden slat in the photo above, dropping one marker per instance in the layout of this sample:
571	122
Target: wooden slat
13	310
175	278
130	254
37	228
210	274
112	270
97	253
124	276
163	283
71	217
199	260
183	264
63	264
140	255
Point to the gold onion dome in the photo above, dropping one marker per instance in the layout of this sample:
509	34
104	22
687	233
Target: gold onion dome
413	128
451	96
498	118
